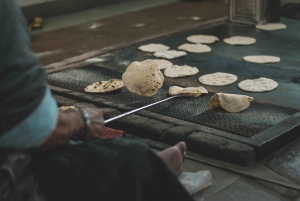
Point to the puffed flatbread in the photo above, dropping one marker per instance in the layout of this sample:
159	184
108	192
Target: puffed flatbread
206	39
188	91
239	40
143	78
170	54
163	64
105	86
230	102
180	71
258	85
271	26
218	79
262	59
194	48
153	48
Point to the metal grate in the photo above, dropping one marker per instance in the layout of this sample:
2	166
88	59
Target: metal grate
258	117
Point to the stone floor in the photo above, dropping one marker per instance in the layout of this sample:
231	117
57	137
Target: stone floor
227	184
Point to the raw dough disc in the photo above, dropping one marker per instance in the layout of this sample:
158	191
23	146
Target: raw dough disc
218	79
194	48
170	54
153	48
180	71
143	78
105	86
258	85
206	39
188	91
261	59
163	64
271	26
239	40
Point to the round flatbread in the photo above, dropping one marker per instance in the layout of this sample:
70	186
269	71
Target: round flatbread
230	102
143	78
258	85
180	71
271	26
206	39
153	48
239	40
218	79
163	64
261	59
105	86
188	91
194	48
170	54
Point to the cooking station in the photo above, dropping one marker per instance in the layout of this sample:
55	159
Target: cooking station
269	128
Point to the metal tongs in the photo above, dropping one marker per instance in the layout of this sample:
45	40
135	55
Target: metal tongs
141	108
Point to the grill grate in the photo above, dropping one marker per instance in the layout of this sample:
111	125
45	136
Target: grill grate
258	117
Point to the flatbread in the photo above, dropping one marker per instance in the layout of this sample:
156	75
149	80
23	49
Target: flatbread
163	64
188	91
67	108
206	39
180	71
143	78
230	102
271	26
261	59
194	48
195	181
105	86
239	40
258	85
170	54
153	48
218	79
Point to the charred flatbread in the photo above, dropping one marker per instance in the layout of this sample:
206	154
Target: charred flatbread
143	78
105	86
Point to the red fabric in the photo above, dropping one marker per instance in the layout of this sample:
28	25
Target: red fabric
111	133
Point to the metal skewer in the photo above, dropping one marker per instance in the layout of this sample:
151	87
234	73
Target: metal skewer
141	108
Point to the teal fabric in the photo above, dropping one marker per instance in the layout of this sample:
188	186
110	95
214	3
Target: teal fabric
23	82
35	129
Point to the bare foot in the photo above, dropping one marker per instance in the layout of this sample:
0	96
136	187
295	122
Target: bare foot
174	157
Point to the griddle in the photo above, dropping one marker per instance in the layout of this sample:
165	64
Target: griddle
273	118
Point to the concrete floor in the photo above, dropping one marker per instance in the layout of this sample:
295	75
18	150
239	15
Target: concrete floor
225	185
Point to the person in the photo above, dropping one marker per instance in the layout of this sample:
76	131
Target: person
31	124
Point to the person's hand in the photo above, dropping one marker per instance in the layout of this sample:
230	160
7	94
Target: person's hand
95	123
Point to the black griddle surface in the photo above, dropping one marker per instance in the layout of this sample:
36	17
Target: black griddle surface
258	117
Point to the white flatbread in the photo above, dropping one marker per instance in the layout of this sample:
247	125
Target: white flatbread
239	40
188	91
153	48
271	26
218	79
180	71
258	85
195	181
206	39
67	108
194	48
163	64
143	78
230	102
105	86
170	54
261	59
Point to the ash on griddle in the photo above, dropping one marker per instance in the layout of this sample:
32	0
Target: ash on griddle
296	79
